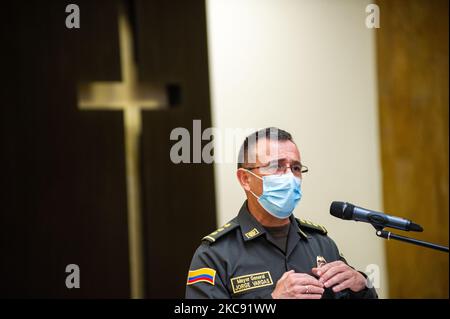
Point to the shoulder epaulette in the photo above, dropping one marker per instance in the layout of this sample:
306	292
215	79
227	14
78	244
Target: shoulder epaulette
220	231
311	225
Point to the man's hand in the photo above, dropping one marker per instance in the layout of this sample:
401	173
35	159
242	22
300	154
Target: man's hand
297	286
340	274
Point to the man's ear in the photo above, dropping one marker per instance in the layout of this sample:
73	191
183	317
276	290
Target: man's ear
243	178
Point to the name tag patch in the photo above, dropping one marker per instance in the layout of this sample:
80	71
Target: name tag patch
251	281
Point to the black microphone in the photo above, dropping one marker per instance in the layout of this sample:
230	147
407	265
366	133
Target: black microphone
377	219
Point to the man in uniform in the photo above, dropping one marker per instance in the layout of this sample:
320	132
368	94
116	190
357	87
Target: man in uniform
265	252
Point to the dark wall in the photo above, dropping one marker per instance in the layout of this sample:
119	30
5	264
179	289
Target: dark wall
179	199
63	178
63	191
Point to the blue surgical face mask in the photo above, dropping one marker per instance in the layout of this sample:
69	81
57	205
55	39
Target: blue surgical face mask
281	194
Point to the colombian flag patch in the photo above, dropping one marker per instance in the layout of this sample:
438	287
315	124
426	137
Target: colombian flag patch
203	274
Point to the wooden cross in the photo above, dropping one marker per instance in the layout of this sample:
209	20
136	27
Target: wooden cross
130	96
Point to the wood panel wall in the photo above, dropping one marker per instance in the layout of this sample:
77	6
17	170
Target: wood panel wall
412	50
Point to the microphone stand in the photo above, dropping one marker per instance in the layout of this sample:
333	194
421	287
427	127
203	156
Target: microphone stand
388	235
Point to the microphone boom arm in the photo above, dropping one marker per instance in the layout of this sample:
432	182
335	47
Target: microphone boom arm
388	235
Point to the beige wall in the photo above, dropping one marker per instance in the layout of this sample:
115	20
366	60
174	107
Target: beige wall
307	67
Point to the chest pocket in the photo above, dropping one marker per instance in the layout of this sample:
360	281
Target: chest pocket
255	285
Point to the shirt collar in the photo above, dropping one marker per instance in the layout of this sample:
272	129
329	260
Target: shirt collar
252	229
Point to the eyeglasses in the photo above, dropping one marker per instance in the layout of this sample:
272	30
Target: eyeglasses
279	168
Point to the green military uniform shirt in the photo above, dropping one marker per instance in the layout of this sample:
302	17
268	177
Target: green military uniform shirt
242	260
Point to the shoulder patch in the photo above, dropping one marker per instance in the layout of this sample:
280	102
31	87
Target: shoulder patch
220	232
311	225
207	275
